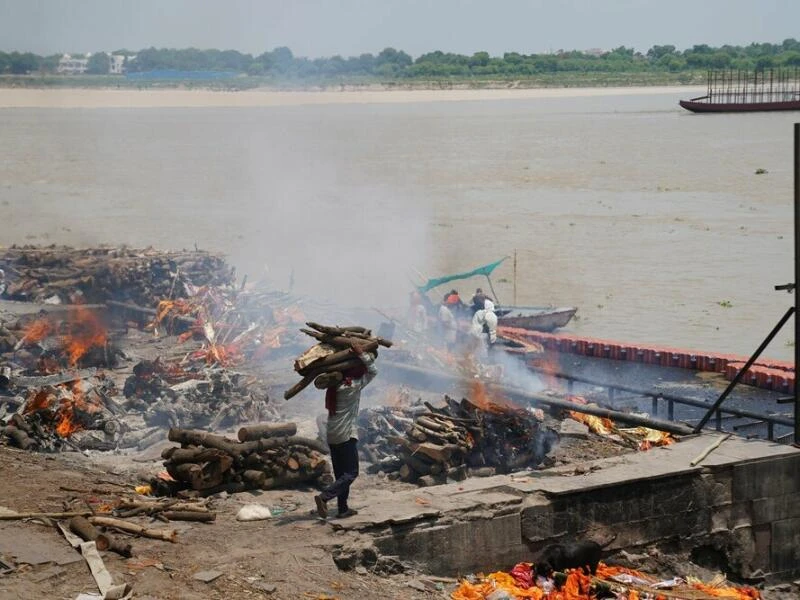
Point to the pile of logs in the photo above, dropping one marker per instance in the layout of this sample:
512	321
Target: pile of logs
457	440
325	362
212	398
265	456
64	275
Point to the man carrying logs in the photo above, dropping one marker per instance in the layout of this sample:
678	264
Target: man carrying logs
342	400
342	363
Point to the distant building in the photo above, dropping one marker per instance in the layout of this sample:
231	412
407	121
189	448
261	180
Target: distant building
72	66
595	52
116	64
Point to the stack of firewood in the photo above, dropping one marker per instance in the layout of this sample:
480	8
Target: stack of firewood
325	362
265	457
60	274
457	440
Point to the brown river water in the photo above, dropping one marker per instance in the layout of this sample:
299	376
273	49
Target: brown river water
649	219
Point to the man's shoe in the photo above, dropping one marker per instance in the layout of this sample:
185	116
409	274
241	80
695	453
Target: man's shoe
322	506
348	513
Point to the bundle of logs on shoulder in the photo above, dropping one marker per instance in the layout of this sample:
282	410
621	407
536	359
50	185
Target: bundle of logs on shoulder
429	445
265	456
325	362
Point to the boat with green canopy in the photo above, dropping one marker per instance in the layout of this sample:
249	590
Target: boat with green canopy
537	318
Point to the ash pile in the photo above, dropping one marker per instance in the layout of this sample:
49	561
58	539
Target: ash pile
430	445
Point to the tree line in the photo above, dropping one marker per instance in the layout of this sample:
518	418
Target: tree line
392	64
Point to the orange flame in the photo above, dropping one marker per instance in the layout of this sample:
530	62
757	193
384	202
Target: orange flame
37	331
85	332
63	406
66	420
481	397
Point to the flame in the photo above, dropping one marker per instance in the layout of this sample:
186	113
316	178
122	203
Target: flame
85	332
62	403
37	331
481	397
67	422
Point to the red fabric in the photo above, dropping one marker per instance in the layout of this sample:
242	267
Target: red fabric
523	575
453	299
330	400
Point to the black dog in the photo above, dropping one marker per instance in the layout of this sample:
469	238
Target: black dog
578	555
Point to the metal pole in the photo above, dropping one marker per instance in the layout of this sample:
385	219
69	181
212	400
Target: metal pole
744	369
796	278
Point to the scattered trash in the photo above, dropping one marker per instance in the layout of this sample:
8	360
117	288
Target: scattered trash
254	512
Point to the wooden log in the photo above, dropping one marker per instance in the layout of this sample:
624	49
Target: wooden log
417	435
482	472
290	479
285	442
168	535
337	357
179	456
230	488
266	430
326	380
432	424
88	533
337	330
256	478
201	438
190	473
44	515
415	463
187	515
18	421
19	438
344	341
297	387
430	480
436	452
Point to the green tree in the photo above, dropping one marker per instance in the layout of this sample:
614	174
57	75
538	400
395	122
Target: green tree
99	64
658	52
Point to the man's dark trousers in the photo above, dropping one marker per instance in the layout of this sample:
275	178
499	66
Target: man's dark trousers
345	468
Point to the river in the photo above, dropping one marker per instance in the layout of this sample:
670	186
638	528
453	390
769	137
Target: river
649	219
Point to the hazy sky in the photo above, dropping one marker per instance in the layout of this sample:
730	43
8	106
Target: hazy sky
350	27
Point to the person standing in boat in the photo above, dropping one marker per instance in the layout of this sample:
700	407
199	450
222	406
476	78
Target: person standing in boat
484	325
448	326
478	301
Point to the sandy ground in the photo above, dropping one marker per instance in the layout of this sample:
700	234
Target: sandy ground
106	98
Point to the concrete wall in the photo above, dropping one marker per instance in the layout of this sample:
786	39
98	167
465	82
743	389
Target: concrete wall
745	511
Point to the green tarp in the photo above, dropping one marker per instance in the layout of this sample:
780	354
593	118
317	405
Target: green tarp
484	270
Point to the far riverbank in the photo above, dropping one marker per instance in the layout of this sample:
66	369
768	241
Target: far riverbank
179	98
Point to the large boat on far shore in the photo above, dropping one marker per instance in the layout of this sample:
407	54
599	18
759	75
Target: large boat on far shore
740	91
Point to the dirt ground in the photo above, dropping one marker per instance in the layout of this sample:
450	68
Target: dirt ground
289	556
291	551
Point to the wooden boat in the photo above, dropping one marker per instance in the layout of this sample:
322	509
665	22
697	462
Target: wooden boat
738	91
699	106
537	319
524	317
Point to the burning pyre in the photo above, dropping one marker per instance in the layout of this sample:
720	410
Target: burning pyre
479	436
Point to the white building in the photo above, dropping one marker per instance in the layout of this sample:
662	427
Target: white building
72	66
116	64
